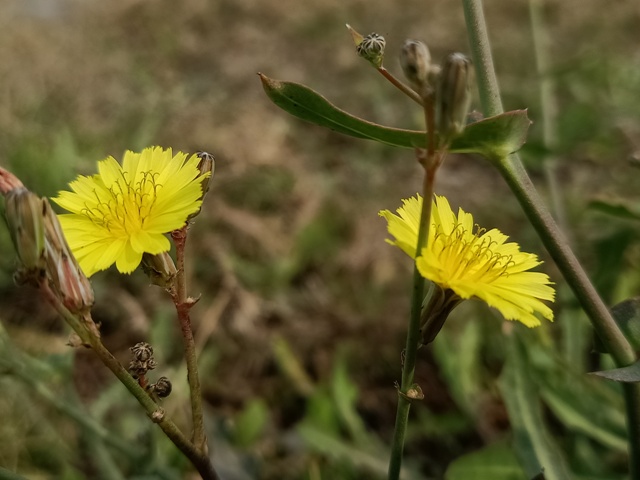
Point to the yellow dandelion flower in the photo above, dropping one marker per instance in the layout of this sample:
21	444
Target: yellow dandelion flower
472	262
126	210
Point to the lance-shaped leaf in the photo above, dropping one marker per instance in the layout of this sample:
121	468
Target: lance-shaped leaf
627	316
493	137
629	374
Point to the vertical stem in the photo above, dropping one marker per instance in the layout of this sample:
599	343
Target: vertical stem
183	306
482	59
512	170
431	164
548	108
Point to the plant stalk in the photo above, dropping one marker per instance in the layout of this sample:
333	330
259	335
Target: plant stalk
515	175
183	306
431	163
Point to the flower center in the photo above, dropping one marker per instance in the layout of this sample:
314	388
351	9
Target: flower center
469	255
125	206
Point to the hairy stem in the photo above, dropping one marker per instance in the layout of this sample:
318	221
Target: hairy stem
408	91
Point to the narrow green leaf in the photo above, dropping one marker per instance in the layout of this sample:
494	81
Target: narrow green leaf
629	374
536	448
493	137
372	459
496	462
617	208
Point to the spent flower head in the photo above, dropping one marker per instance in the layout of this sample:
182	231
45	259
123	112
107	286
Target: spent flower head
125	210
473	262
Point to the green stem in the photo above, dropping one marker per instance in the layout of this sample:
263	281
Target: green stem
512	170
183	306
198	458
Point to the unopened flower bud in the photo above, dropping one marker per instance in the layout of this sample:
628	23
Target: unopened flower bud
372	49
65	275
453	96
8	181
415	61
207	166
24	214
159	268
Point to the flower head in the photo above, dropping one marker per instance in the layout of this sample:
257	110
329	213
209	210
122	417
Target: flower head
473	262
126	210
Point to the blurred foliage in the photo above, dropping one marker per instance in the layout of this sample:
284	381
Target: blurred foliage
304	307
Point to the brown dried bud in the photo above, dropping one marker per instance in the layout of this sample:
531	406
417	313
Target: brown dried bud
159	268
24	214
8	181
162	388
453	96
415	61
142	351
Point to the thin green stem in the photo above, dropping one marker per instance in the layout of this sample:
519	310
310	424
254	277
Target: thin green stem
431	164
512	170
482	59
183	305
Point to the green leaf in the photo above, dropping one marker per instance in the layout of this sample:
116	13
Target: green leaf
617	208
372	458
496	462
629	374
493	137
627	316
251	423
536	448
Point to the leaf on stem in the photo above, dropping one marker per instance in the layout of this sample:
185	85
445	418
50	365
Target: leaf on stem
493	137
629	374
627	316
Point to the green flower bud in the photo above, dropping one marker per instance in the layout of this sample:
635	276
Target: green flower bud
415	61
453	96
25	219
159	268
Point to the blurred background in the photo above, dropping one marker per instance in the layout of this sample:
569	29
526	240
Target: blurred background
304	307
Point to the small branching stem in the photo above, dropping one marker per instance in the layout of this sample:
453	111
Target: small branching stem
198	457
408	91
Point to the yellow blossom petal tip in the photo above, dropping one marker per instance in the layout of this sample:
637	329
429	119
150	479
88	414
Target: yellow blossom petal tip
126	209
472	262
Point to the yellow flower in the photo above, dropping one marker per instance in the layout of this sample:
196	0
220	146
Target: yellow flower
473	262
126	210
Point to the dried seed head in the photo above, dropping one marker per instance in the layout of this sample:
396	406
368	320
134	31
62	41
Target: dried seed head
415	61
162	388
453	96
372	49
142	351
25	219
